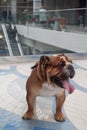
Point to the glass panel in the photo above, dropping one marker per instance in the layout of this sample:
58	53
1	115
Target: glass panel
73	20
66	20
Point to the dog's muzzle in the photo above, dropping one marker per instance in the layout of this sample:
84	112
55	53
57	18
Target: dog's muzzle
63	80
69	71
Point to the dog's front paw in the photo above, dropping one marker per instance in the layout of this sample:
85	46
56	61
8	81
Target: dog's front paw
60	117
28	116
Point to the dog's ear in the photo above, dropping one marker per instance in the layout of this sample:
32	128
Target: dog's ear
34	66
45	60
41	68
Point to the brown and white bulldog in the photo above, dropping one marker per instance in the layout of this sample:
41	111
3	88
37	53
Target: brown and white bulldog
50	77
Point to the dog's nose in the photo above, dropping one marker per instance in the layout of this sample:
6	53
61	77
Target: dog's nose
69	67
71	70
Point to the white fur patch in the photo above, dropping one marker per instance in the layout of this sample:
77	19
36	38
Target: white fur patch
50	90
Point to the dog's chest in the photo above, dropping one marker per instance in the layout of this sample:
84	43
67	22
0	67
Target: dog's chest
50	90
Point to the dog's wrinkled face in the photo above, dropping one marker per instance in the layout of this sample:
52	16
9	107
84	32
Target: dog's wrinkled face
56	69
62	67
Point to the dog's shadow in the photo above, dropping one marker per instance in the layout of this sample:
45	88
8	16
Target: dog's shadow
45	125
35	124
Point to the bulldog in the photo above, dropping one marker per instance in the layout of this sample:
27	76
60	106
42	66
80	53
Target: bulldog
50	77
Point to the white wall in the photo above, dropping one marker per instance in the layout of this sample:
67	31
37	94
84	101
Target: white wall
72	41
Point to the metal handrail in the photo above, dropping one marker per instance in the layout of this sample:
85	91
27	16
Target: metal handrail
7	39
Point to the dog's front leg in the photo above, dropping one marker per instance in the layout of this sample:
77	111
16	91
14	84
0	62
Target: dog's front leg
31	103
59	104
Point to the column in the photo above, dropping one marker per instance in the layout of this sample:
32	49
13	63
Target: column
86	16
8	3
8	8
36	5
14	10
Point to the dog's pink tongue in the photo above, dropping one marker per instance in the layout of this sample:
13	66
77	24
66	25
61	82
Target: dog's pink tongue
67	85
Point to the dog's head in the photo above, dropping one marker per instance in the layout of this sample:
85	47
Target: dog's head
62	67
57	69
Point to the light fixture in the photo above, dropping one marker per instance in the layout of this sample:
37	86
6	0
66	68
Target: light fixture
1	37
4	1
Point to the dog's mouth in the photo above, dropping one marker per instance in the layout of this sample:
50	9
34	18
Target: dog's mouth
63	84
67	85
63	79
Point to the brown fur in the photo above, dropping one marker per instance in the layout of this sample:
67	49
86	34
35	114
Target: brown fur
46	67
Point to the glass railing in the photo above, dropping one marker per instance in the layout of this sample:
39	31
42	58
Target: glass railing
67	20
73	20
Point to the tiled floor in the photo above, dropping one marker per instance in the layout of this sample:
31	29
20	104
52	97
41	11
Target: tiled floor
13	104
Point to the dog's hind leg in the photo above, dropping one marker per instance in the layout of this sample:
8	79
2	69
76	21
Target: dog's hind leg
31	103
59	116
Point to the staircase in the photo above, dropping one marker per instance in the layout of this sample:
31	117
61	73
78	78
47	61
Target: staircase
15	49
12	40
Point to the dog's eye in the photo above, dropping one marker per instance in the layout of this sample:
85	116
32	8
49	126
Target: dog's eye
62	64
